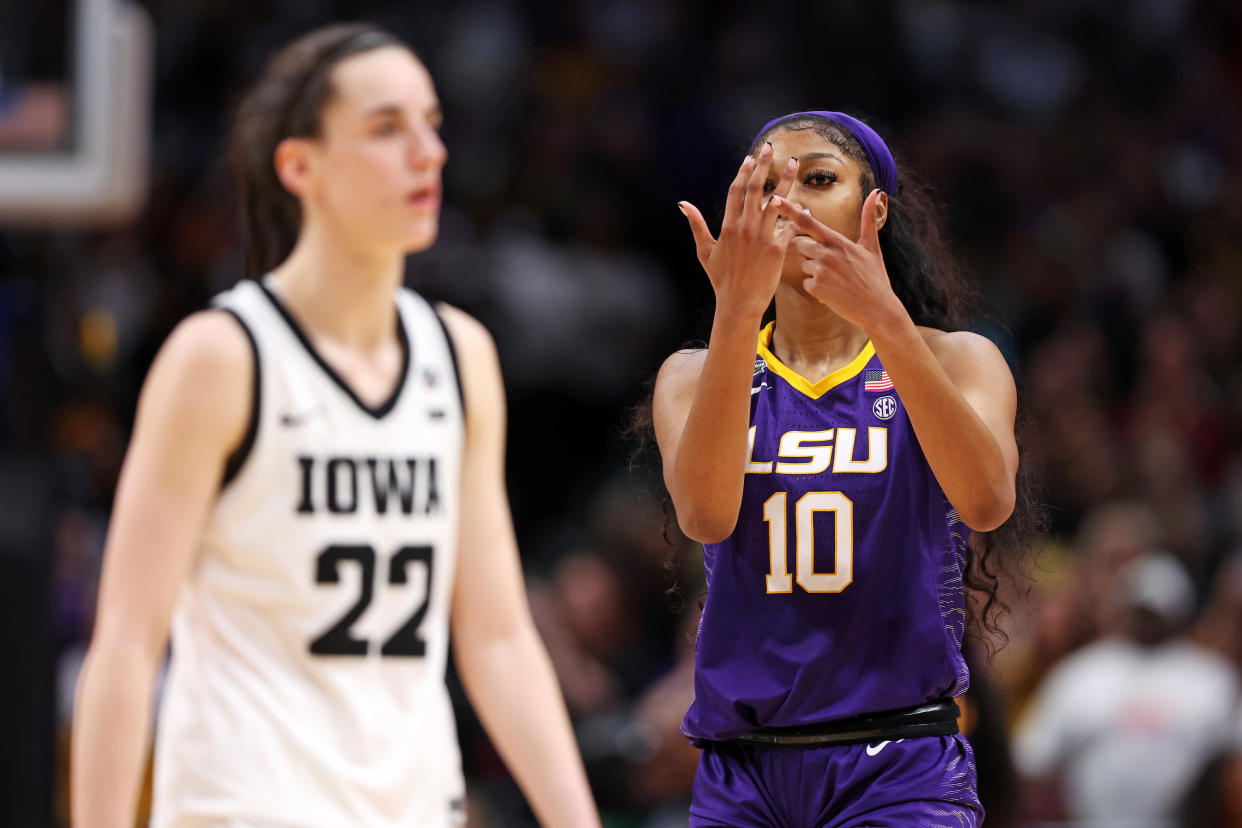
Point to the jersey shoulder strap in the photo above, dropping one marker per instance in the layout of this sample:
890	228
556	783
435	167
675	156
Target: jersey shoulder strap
426	326
235	303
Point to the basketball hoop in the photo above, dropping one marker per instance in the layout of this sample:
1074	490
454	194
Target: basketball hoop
75	152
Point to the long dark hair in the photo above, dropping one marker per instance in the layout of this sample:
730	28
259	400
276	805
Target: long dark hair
931	286
287	102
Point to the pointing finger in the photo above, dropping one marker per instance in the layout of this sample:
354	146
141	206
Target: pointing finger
737	195
815	288
810	248
785	233
782	189
808	224
703	239
817	269
758	177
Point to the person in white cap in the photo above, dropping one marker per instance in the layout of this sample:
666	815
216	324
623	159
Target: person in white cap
1125	724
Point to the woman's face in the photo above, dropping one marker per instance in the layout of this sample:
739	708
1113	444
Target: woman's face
373	175
827	181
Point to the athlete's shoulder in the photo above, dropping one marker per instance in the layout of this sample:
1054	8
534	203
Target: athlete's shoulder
478	367
212	345
957	346
682	367
966	355
200	382
470	337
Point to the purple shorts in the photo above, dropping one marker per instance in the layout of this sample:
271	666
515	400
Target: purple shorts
927	782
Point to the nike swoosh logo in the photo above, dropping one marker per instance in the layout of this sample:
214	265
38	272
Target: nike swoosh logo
298	419
872	750
758	388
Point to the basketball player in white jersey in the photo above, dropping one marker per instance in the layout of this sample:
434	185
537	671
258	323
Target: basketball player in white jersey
312	498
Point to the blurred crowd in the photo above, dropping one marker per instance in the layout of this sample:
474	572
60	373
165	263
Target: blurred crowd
1087	155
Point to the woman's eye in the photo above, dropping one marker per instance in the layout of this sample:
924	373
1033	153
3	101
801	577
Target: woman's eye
821	178
386	128
769	186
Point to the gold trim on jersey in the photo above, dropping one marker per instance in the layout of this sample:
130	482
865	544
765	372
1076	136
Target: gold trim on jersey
814	390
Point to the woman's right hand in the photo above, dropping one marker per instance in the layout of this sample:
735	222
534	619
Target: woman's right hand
744	264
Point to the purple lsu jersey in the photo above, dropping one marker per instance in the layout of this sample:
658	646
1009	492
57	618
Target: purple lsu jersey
840	590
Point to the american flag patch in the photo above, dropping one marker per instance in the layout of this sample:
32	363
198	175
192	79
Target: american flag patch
876	381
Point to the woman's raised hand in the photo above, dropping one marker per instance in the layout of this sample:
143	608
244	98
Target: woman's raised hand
744	264
847	276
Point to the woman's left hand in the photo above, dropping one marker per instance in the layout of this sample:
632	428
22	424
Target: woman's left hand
847	276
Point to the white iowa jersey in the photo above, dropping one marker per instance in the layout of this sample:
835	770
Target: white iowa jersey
308	645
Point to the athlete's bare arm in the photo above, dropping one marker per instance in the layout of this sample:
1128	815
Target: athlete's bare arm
701	404
192	414
501	660
956	387
977	458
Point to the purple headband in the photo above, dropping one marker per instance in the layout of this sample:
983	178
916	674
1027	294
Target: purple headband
878	154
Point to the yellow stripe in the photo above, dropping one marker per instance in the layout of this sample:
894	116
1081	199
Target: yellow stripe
814	390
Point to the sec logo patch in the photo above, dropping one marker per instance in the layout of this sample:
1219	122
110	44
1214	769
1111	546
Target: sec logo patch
884	408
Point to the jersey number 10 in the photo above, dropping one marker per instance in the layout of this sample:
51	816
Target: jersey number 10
339	639
774	514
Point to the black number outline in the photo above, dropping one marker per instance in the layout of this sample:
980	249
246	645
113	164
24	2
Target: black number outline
406	640
338	639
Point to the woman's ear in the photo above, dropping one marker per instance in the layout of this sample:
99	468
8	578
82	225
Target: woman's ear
881	210
293	165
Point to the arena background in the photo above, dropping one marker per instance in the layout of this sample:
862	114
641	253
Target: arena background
1087	156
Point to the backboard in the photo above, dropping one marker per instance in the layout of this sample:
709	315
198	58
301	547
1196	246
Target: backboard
75	111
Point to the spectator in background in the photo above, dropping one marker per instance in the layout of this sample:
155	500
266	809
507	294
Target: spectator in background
1060	611
1123	726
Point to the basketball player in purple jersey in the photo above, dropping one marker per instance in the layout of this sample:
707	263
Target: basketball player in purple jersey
833	473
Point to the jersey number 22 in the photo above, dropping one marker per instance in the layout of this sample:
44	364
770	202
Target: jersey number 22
339	639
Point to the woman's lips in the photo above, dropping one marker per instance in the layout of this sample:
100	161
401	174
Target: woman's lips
425	198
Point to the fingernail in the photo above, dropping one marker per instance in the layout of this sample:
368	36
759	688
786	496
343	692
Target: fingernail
793	159
777	200
681	205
